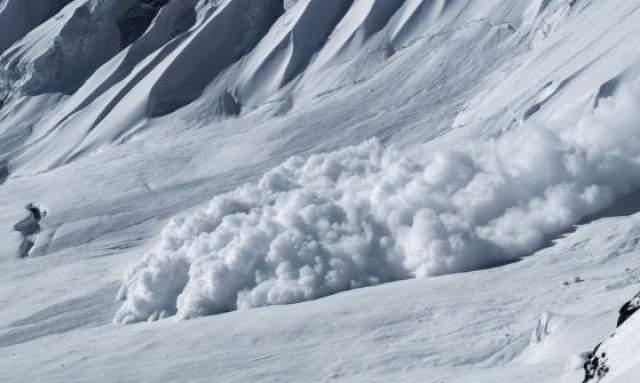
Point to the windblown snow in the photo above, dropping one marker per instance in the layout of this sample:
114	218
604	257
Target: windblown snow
368	214
235	157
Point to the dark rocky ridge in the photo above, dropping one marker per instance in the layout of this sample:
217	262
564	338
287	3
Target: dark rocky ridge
596	365
136	20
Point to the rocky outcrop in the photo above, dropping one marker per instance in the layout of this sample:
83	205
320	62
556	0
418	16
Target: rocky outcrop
596	366
615	355
628	309
137	19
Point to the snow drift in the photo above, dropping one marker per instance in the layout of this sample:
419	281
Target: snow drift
370	214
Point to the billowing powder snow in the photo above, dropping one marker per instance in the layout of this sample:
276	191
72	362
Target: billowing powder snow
370	214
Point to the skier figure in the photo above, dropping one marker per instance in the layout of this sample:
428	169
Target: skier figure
29	227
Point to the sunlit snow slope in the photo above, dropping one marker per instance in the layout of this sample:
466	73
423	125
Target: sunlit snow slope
305	148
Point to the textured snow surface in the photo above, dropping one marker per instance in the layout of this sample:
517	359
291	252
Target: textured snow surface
232	154
368	215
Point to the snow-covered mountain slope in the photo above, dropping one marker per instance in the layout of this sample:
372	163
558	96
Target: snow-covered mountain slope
617	356
430	137
524	322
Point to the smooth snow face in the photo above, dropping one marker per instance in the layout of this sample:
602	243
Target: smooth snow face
234	29
368	215
273	63
287	50
60	54
18	17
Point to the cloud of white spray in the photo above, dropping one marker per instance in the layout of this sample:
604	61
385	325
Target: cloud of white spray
369	214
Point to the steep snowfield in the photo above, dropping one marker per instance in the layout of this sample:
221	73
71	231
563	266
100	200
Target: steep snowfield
19	17
429	138
367	215
517	323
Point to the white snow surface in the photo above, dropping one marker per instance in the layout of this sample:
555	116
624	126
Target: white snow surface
620	352
367	215
474	165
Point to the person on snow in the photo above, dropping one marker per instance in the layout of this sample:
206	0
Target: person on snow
29	227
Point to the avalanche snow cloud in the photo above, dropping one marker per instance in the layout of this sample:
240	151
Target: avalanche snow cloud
370	214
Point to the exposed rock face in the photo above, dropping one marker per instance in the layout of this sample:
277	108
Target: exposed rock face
628	309
137	19
596	366
598	363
